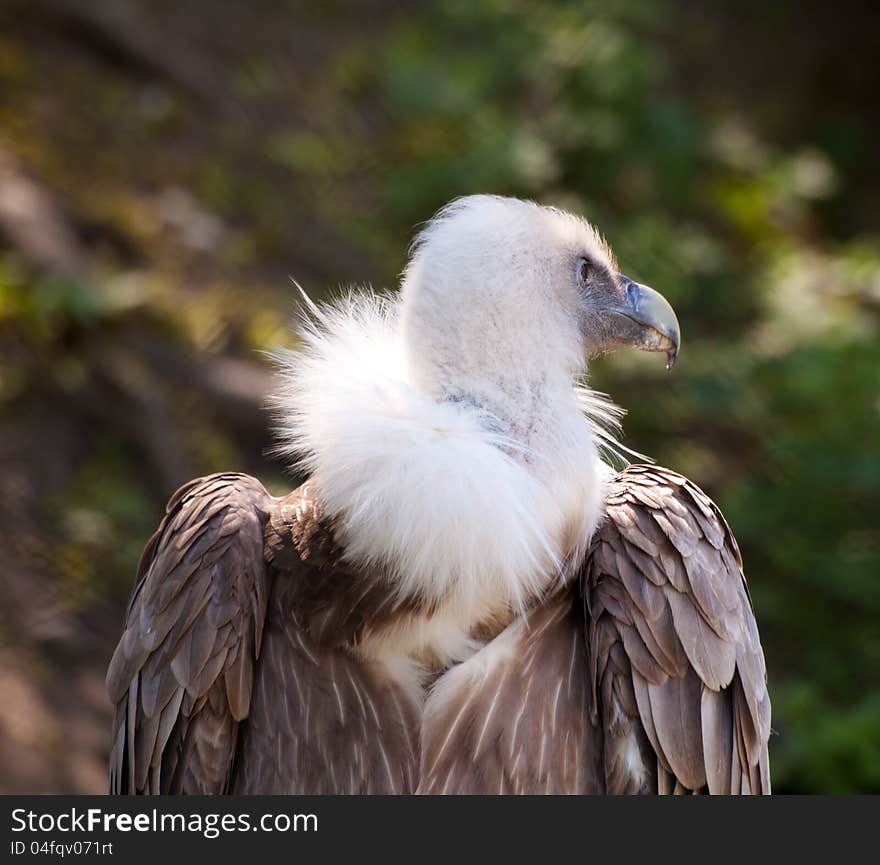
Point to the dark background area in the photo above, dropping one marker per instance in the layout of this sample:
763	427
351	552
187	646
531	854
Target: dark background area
166	167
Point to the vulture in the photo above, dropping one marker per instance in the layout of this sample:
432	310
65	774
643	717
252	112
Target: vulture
463	597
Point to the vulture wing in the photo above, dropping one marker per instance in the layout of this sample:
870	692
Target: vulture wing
678	676
182	674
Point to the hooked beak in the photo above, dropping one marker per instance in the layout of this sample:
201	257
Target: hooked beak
645	320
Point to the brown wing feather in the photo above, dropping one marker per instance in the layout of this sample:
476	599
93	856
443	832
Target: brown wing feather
323	720
514	718
342	723
679	682
182	673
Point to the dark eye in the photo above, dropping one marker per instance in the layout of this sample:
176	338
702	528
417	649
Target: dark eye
584	270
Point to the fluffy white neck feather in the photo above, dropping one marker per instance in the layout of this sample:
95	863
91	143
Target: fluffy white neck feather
457	500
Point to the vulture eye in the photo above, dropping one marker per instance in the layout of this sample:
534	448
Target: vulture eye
584	270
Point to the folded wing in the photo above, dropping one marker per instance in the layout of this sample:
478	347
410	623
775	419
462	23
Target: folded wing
678	675
182	675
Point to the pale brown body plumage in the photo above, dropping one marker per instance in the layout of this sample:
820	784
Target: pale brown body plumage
239	672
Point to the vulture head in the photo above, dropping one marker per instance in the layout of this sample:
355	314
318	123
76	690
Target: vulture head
504	298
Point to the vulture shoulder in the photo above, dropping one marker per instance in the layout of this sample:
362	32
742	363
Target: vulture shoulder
182	674
678	676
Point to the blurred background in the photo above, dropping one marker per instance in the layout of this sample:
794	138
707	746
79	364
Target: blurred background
166	167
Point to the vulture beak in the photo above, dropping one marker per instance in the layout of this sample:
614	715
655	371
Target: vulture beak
645	320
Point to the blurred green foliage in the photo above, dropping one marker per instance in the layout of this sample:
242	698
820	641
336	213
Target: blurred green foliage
761	235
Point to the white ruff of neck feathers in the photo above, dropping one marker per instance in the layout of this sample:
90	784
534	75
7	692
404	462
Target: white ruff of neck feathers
457	511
